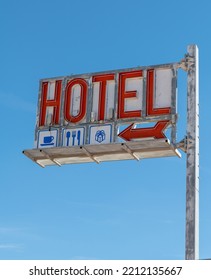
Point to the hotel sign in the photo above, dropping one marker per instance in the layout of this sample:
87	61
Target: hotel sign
106	107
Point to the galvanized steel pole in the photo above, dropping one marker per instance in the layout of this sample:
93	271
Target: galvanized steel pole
192	172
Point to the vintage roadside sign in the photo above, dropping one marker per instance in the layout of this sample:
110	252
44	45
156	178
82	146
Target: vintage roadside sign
112	115
119	115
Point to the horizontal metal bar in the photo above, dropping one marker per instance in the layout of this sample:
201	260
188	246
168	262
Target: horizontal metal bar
51	158
29	156
128	150
89	155
114	71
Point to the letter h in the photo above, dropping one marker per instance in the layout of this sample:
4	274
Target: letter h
45	103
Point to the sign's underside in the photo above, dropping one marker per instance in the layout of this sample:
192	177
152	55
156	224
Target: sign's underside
151	148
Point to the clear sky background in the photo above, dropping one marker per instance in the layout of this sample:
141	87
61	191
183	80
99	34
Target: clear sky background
118	210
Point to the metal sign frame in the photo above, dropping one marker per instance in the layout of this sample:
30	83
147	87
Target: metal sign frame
115	120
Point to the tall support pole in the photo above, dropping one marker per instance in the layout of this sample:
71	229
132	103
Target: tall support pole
192	173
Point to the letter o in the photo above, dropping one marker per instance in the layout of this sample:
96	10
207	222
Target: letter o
83	100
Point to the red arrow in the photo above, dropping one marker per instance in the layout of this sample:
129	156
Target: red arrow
156	131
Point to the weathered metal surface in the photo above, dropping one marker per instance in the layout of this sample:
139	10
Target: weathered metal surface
137	95
192	175
105	152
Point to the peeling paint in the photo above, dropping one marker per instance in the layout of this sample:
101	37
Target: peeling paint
192	175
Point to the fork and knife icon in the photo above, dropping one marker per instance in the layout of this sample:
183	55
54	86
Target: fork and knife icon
73	135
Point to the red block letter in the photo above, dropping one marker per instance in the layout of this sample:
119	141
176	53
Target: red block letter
102	93
55	103
151	111
83	99
123	94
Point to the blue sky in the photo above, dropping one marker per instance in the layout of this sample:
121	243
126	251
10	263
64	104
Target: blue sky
114	210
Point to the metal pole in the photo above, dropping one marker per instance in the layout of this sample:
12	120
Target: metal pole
192	173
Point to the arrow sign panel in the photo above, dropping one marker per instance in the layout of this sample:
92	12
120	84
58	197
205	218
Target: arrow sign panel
134	133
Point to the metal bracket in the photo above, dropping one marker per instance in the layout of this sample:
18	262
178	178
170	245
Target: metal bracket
88	154
186	62
128	150
183	144
34	160
49	157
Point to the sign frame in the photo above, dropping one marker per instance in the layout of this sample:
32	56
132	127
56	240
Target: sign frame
146	115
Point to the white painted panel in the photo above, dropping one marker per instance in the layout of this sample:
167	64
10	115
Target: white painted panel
47	138
163	88
73	136
109	103
100	134
75	100
51	89
50	96
134	103
110	99
96	89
